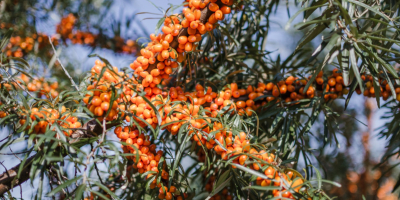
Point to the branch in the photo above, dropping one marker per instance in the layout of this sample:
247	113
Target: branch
66	72
10	179
205	14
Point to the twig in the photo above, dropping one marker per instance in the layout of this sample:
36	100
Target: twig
4	138
10	154
62	66
5	169
98	173
14	154
19	85
92	152
20	191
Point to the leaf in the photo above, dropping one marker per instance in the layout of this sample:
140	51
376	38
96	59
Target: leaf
5	39
159	23
250	171
347	18
103	187
25	64
178	157
154	109
83	141
314	32
158	8
369	8
318	178
344	63
64	185
263	188
222	178
98	194
271	112
79	192
300	11
353	61
218	189
314	4
380	60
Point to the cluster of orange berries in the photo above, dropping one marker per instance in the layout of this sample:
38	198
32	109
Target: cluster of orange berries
179	107
239	150
39	85
140	144
146	159
18	47
180	34
170	194
48	116
275	178
65	29
384	87
99	98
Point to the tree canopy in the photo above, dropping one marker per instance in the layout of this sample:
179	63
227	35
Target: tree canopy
204	109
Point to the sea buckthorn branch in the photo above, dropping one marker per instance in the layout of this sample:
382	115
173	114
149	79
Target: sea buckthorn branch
13	177
39	85
177	108
100	103
118	44
20	46
276	91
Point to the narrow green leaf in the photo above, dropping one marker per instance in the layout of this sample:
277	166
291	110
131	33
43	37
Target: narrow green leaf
79	192
218	189
314	32
353	60
64	185
105	188
299	12
263	188
369	8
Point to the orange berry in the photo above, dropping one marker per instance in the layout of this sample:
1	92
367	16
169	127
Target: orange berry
213	7
226	10
332	82
218	15
182	40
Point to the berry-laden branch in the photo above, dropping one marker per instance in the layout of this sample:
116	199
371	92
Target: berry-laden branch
10	178
174	109
20	46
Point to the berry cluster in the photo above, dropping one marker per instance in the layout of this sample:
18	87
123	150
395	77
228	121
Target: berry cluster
177	107
113	96
39	85
65	29
181	32
47	116
18	46
140	144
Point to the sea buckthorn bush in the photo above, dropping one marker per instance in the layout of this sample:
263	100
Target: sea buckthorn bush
203	111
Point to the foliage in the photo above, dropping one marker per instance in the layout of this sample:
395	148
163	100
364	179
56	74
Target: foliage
205	111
